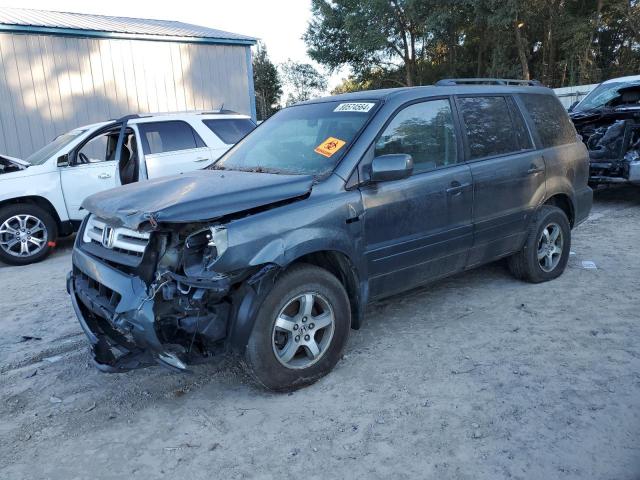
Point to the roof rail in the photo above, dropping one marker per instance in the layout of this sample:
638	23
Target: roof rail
126	118
222	111
448	82
192	112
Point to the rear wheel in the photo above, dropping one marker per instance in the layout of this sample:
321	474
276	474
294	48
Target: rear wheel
546	250
26	234
300	331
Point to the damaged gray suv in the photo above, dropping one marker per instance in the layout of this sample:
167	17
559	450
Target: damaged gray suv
274	252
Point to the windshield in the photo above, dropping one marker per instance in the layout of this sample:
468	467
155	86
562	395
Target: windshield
300	140
601	95
60	142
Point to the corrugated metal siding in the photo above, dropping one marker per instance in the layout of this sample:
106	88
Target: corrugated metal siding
569	95
103	23
50	84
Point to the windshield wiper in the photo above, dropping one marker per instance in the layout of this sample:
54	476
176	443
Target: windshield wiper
261	170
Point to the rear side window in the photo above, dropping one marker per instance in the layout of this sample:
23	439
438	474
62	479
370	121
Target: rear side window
520	129
229	130
162	137
423	130
550	119
488	125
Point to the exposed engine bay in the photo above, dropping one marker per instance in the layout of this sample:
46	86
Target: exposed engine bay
10	164
611	132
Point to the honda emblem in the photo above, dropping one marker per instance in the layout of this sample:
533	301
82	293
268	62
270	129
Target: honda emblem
108	237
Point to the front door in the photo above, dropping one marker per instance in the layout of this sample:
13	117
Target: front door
172	147
508	175
92	169
419	228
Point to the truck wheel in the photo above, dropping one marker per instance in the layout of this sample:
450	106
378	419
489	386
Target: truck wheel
546	250
26	231
300	331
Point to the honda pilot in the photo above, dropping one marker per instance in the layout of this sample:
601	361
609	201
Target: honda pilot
274	251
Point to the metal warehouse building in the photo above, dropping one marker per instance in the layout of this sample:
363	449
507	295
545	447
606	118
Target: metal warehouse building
60	70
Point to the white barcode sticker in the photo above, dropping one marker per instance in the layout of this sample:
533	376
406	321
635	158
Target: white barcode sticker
354	107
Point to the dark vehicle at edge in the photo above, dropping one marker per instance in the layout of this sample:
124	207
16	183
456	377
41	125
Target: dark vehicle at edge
608	120
274	252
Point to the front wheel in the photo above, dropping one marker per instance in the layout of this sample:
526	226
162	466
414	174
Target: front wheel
26	234
546	251
300	330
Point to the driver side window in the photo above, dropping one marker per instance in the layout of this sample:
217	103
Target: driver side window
426	132
98	149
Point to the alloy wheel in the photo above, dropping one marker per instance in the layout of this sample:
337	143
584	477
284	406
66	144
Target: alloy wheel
550	246
23	235
303	331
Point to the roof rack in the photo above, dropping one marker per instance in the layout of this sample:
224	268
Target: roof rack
448	82
223	111
128	117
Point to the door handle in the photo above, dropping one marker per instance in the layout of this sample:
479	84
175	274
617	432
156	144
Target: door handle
104	176
534	170
456	188
202	159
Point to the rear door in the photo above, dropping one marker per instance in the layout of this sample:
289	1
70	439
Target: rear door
508	174
419	228
92	169
565	156
172	147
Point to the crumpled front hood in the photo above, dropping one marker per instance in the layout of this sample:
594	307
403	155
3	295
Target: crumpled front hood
195	196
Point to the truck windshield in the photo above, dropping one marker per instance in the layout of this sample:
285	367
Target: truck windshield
301	140
49	149
601	95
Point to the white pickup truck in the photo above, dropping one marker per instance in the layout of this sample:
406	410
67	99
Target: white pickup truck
40	197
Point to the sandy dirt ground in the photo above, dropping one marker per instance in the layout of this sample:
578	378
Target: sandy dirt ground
476	377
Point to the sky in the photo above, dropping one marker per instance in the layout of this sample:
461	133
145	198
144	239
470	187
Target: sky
280	24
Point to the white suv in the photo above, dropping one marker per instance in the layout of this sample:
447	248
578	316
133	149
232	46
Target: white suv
41	196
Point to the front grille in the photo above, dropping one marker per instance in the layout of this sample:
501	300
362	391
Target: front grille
100	299
114	244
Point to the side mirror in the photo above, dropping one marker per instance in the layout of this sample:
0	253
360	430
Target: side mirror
573	105
386	168
63	161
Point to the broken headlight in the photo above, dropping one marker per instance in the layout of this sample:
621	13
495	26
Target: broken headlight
203	248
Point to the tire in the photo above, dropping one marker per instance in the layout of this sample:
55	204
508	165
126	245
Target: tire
269	347
526	264
34	217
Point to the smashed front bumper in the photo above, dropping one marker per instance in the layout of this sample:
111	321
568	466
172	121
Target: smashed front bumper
117	315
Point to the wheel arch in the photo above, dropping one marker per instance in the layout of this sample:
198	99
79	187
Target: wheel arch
564	203
340	265
250	294
41	202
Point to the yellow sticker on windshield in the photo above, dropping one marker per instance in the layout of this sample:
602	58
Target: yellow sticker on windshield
330	146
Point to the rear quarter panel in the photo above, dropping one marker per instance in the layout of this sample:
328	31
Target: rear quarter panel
567	172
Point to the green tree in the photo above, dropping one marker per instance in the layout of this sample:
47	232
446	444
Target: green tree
369	34
267	84
415	42
303	80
